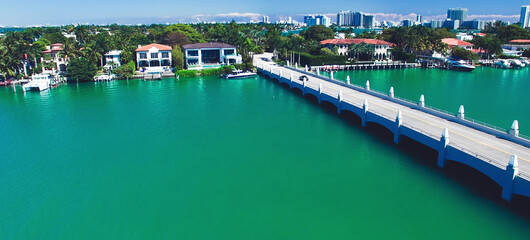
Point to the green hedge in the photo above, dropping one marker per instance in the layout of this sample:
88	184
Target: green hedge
186	73
310	60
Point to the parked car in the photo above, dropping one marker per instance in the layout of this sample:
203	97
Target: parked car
303	77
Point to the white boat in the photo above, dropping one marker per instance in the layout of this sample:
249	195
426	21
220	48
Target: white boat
38	82
460	65
502	63
104	77
516	63
239	74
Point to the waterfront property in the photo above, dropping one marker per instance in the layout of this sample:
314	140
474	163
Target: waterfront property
154	58
112	60
210	55
516	47
53	61
503	157
381	48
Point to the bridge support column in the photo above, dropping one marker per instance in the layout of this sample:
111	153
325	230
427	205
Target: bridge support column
421	103
399	121
444	141
339	99
391	92
348	79
365	112
304	84
461	114
511	172
367	87
319	93
291	81
514	130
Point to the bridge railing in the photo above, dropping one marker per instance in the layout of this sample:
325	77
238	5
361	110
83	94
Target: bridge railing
478	125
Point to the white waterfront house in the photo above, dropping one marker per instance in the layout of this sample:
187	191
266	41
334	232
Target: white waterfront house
210	55
112	59
516	47
154	58
381	48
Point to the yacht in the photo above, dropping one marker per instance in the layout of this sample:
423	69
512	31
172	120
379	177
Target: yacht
460	65
239	74
502	63
39	82
516	63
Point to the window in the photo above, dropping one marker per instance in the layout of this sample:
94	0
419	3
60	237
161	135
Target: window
229	52
154	55
193	53
165	55
143	55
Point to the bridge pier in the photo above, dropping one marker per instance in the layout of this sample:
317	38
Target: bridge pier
291	81
304	85
511	172
444	141
319	93
365	111
339	98
399	121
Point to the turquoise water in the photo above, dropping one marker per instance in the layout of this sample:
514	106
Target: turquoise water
207	158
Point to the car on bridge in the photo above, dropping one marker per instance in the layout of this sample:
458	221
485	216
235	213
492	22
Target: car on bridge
303	78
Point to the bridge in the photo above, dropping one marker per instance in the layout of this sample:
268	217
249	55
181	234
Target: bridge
501	155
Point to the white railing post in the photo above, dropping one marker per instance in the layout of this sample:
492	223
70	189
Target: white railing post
391	92
514	130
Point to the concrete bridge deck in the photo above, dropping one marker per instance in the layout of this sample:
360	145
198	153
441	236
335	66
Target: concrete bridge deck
487	150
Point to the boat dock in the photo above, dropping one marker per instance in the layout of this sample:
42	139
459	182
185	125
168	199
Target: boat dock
368	66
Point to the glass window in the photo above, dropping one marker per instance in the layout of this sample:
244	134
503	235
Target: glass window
193	53
165	54
154	55
143	55
229	51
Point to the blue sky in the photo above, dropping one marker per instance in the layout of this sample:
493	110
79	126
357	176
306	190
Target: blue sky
33	12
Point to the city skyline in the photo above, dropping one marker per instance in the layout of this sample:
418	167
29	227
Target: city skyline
131	12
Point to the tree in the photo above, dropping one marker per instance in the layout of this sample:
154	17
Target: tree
464	54
125	71
511	32
489	43
178	57
318	33
326	52
82	69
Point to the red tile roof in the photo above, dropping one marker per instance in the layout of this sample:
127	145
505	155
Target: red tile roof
520	41
349	41
155	45
453	42
481	34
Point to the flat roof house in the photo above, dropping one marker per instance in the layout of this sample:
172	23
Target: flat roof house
210	55
112	59
154	58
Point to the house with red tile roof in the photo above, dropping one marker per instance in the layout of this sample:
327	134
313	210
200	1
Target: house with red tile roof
210	55
454	42
154	58
516	47
53	54
381	47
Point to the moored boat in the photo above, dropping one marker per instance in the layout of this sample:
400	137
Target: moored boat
239	74
460	65
39	82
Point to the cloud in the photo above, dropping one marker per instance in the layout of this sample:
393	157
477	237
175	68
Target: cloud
412	16
230	16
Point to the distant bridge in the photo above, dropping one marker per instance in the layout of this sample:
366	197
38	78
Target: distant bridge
501	155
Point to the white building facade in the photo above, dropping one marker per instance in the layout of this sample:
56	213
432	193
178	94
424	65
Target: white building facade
112	60
525	20
210	55
154	58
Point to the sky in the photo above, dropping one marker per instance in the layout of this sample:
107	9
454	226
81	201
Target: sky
59	12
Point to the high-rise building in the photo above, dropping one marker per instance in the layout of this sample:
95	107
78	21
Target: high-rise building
265	19
312	20
436	23
418	18
459	14
525	12
368	21
355	19
290	20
